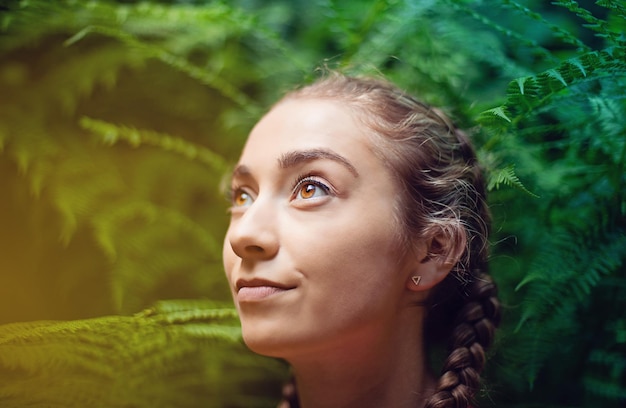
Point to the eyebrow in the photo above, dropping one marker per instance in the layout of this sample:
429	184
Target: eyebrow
297	157
241	170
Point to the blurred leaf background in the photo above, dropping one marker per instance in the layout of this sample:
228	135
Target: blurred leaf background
120	119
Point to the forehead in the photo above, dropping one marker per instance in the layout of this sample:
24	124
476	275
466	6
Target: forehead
308	124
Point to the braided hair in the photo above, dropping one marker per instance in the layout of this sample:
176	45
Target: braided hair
442	192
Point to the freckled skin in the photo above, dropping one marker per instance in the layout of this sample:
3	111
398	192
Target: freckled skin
336	249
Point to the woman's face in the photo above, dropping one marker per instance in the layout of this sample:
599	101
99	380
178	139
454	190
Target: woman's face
312	254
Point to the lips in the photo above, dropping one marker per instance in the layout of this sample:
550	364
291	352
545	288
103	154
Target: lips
258	289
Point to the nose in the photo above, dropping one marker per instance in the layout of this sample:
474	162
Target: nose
253	234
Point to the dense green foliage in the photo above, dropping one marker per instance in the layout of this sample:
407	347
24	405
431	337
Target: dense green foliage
119	120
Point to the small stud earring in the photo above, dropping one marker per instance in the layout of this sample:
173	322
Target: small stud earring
416	280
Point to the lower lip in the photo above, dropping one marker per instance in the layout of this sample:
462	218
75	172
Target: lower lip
256	293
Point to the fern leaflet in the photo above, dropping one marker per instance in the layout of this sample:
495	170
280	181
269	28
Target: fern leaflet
111	134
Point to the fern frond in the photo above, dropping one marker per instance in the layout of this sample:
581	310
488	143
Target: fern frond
175	220
175	24
527	94
506	176
598	25
163	307
272	42
75	79
77	193
111	134
202	75
507	33
537	341
570	266
613	5
558	31
386	35
356	36
141	253
608	115
577	276
495	118
182	358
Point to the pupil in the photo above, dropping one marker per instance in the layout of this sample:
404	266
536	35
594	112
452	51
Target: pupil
241	198
309	190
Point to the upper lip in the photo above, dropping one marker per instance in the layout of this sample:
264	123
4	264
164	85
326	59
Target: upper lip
256	282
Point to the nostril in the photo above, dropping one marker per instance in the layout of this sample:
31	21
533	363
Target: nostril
254	249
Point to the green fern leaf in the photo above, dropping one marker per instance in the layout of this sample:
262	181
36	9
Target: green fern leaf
578	64
594	23
570	266
559	32
133	241
202	75
516	37
506	176
156	358
537	341
548	84
615	5
521	83
553	73
498	112
111	134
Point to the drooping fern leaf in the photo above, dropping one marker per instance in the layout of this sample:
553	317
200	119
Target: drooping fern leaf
110	361
506	176
596	24
574	280
524	95
201	74
111	134
517	38
560	283
559	32
139	239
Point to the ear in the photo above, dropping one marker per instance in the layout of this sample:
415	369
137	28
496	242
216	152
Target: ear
435	259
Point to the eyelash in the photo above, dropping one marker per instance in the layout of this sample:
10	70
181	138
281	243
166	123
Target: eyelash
230	195
299	182
309	178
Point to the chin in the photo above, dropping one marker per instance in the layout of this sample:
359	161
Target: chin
263	338
265	346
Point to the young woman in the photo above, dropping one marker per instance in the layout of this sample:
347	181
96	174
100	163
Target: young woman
358	243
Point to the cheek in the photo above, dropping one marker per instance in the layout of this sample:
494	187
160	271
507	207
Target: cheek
354	284
350	254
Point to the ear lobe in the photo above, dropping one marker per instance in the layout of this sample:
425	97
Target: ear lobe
442	253
428	274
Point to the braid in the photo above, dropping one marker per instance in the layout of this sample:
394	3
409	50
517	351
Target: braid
465	308
472	334
290	395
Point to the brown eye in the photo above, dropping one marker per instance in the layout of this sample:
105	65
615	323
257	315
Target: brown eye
308	191
241	198
311	189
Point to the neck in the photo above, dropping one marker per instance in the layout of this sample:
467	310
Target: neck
386	370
